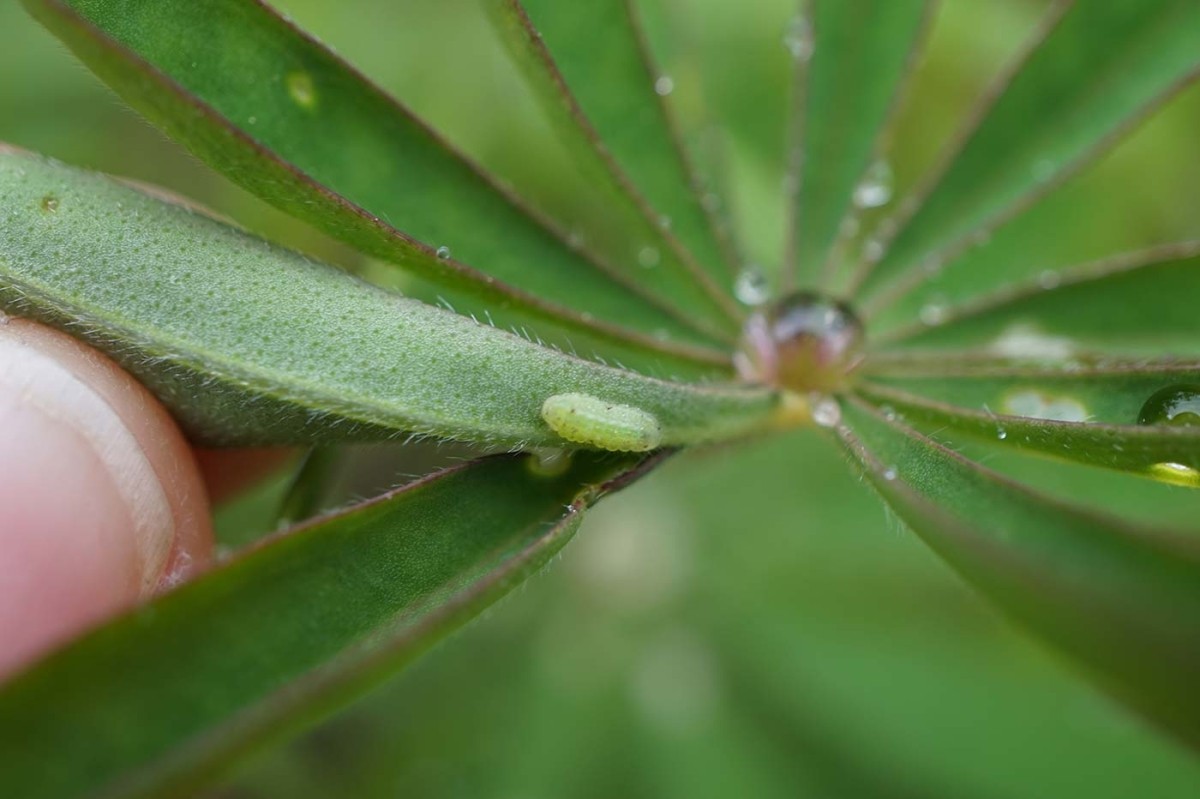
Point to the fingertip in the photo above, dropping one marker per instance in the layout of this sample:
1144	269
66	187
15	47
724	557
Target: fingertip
101	502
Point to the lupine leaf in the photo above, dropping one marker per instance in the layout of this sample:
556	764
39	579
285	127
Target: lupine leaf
291	122
1120	598
861	53
1106	390
601	50
1101	68
248	343
1159	451
156	702
589	69
1085	309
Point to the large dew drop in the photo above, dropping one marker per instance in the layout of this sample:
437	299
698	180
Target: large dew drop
1174	405
805	342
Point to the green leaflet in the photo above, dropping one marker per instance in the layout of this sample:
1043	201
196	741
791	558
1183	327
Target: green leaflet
309	485
155	702
587	65
1084	309
1101	68
1159	451
853	66
248	343
285	118
601	51
1105	390
1121	599
842	656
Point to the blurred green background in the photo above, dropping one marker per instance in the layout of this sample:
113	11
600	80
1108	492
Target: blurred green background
749	621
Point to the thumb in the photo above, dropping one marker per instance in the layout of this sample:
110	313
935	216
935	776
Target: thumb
100	499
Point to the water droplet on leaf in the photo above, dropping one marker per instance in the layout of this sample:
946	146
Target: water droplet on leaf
1175	474
664	85
443	253
1178	406
751	286
872	250
300	87
805	342
1038	404
799	39
648	257
1173	406
1049	279
1043	170
549	462
826	412
934	312
875	190
1023	340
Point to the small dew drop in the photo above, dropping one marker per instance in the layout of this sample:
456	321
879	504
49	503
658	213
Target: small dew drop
1001	433
888	412
934	312
799	39
872	250
980	238
1049	279
253	120
50	204
300	88
664	85
1177	406
826	412
648	257
875	190
443	253
751	286
664	222
549	462
889	473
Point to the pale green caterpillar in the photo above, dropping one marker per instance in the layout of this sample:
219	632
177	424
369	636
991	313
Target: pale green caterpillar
584	419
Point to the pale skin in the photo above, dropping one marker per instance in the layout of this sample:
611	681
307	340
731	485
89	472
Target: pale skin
103	503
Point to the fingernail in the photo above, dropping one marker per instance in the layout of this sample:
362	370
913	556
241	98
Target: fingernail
63	417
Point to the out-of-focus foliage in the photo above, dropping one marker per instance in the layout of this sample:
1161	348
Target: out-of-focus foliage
666	654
